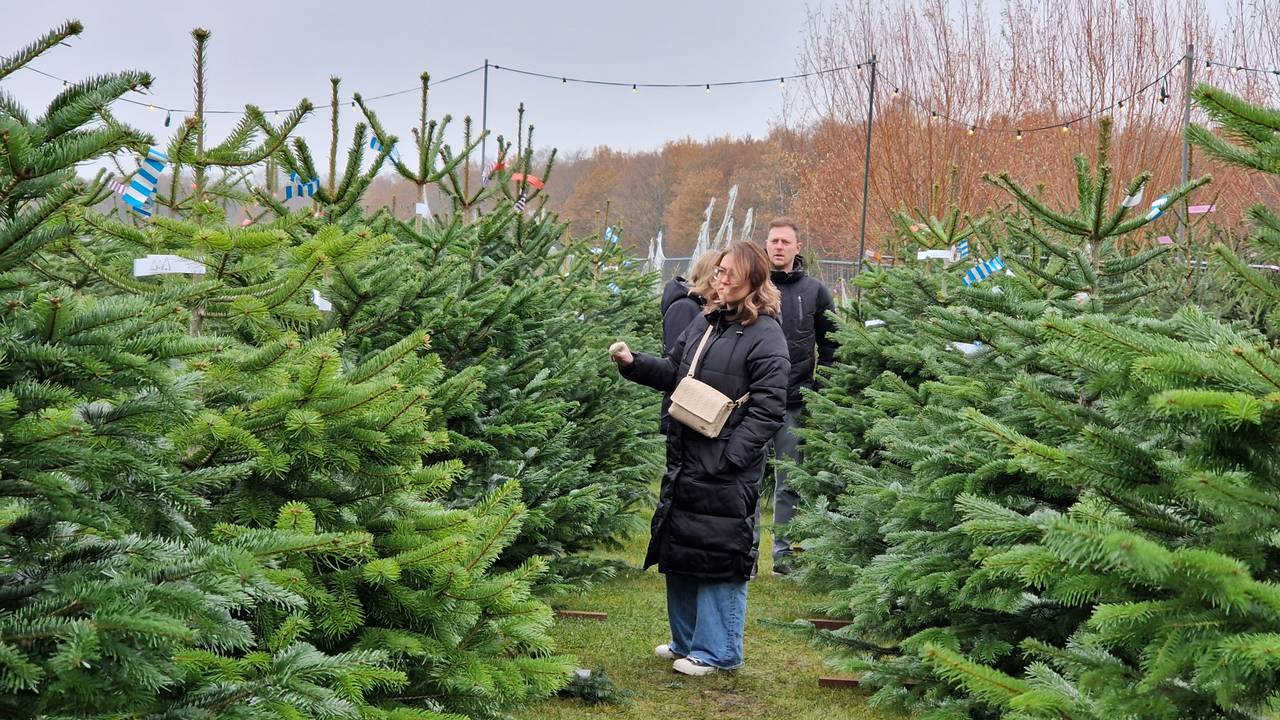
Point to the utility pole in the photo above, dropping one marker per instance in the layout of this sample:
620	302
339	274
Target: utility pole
1188	63
866	170
484	119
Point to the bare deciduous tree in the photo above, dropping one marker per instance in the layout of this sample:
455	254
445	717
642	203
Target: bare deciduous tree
958	79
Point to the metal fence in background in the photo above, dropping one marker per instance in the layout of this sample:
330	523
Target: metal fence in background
835	274
839	274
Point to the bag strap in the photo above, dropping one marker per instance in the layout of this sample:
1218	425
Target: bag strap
693	365
697	354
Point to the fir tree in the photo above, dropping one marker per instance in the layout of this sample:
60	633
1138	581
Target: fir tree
896	442
443	382
338	439
1171	544
111	603
513	302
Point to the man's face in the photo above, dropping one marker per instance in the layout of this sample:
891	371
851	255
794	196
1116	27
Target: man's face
783	247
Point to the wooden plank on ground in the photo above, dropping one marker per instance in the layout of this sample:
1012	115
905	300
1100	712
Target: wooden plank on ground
841	682
825	624
582	615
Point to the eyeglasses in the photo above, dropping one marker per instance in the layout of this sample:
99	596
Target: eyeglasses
725	275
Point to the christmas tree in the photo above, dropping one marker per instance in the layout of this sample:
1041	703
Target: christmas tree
112	602
337	405
410	401
1170	547
941	377
512	302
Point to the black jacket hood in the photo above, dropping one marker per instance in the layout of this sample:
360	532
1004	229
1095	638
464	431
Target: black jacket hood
675	289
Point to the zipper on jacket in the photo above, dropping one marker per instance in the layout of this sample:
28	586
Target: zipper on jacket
799	310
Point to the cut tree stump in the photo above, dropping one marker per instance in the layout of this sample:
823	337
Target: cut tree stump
825	624
582	615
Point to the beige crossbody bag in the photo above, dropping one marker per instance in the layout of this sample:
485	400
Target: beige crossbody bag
699	406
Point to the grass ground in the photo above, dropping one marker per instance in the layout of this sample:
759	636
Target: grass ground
779	680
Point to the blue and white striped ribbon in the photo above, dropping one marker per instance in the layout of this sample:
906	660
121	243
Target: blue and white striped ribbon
962	249
138	195
299	188
376	145
1157	207
983	270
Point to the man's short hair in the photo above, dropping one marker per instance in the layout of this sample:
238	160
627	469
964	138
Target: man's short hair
785	221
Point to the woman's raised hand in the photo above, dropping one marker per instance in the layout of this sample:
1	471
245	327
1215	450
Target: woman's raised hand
621	354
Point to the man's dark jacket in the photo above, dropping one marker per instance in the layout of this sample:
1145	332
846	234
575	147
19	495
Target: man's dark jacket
810	330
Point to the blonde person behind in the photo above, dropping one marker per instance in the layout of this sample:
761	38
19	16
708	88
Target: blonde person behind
682	302
702	531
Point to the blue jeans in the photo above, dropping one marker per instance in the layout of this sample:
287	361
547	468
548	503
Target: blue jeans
707	619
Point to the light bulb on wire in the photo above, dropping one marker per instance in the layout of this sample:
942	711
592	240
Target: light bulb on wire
973	129
633	88
708	88
1018	136
1066	128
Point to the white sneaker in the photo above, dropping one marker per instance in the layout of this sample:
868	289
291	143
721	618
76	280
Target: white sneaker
690	666
664	651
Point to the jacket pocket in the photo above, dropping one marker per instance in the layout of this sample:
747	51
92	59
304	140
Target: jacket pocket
733	421
804	318
717	498
704	455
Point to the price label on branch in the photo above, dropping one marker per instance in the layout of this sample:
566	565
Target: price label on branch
167	265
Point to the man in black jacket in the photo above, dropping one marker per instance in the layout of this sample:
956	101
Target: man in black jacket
810	333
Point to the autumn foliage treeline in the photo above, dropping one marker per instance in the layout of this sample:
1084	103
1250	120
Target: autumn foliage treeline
665	189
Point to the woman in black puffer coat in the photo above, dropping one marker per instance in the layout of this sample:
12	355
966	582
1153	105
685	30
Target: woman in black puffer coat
702	530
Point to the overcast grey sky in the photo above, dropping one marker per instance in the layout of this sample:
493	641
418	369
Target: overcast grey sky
273	53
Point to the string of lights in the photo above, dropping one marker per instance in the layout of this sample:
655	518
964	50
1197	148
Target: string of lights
1233	69
187	111
564	79
1063	125
973	127
635	86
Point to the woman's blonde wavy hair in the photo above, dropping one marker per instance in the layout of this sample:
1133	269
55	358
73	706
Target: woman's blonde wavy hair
763	298
702	276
